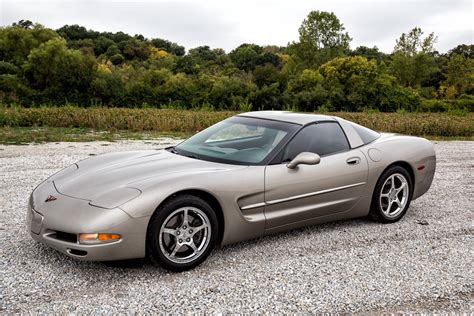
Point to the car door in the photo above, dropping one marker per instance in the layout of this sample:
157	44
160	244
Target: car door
334	185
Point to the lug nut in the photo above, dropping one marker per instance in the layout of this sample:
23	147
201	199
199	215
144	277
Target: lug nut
180	240
190	231
187	239
184	227
178	232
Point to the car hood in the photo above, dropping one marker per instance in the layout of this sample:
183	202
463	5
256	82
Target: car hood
93	177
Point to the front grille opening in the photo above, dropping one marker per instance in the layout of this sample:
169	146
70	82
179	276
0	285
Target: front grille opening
65	236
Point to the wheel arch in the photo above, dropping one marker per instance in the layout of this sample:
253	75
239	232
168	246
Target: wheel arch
207	197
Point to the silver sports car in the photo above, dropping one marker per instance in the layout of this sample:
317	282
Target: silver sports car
250	175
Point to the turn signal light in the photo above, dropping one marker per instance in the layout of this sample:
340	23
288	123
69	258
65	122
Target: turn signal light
96	238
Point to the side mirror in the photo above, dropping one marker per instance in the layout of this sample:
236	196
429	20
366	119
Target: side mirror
305	158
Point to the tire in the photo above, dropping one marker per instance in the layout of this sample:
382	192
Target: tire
177	244
387	205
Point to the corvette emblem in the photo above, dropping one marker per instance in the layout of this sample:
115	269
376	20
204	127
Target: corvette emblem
50	198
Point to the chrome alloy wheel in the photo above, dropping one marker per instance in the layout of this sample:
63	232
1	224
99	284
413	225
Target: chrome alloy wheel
185	235
394	195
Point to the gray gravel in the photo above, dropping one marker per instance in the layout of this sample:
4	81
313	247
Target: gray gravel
421	264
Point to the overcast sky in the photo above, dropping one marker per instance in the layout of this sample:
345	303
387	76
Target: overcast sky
229	23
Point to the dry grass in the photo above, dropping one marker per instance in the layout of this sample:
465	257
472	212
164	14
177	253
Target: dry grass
186	121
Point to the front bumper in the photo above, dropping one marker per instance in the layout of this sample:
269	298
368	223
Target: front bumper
57	224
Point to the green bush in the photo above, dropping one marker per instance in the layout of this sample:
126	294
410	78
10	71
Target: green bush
434	106
465	102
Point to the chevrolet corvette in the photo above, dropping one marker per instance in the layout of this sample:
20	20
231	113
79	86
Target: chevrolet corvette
253	174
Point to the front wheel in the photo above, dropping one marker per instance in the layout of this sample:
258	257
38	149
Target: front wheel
182	233
392	195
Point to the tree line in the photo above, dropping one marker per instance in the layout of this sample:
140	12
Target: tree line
319	72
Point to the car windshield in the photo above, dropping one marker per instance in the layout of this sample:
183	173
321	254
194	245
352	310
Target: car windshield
238	140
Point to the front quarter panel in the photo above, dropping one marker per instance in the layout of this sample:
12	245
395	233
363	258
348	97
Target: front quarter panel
234	188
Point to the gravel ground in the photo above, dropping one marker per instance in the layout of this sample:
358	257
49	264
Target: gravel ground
421	264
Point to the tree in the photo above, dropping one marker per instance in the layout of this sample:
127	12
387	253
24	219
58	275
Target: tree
108	88
26	24
348	80
168	46
58	73
308	91
246	56
16	42
370	53
229	92
412	71
321	37
134	49
179	89
465	50
267	75
102	44
76	32
203	54
460	74
323	30
412	43
412	60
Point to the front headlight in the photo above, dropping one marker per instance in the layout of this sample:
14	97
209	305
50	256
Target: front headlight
115	198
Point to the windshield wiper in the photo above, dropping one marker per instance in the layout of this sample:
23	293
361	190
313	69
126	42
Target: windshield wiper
173	150
190	156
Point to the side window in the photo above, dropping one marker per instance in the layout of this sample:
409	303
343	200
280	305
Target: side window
321	138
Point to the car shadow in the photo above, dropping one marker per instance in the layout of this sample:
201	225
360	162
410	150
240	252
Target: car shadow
217	257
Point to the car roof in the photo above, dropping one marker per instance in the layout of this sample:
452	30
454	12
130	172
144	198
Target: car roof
290	117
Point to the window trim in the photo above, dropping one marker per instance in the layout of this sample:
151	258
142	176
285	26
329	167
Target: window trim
283	146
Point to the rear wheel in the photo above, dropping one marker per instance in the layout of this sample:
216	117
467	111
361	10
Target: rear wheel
392	195
182	233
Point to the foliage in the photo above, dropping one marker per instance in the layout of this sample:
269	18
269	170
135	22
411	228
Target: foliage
318	72
411	71
460	75
413	43
322	37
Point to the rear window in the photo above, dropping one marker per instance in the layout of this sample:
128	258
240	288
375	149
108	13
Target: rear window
367	135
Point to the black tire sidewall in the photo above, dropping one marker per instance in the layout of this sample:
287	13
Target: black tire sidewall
153	248
375	210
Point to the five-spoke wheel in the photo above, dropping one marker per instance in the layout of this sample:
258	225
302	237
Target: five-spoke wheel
182	233
392	195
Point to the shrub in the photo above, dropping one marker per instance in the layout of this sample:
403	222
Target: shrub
434	106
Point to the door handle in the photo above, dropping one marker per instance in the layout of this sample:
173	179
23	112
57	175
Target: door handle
353	161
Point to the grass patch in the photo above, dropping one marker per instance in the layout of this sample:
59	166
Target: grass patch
51	124
26	135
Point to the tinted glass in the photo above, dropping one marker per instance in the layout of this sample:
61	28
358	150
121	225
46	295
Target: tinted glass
367	135
322	139
237	140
